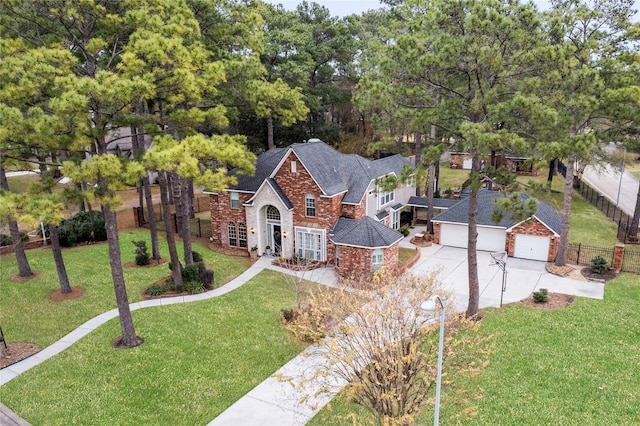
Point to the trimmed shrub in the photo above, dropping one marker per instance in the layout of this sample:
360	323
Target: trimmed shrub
142	254
206	277
599	264
197	257
5	240
192	272
404	230
77	229
541	296
154	290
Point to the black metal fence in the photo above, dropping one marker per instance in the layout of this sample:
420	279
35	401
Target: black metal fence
582	255
631	262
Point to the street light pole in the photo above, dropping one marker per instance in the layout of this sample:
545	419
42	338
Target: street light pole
430	305
624	157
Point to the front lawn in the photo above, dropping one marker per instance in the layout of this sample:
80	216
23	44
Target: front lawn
27	314
577	365
198	359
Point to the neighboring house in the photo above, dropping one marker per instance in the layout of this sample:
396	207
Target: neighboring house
310	201
519	165
535	238
120	143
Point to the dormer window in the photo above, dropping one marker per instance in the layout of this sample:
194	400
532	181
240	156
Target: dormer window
310	205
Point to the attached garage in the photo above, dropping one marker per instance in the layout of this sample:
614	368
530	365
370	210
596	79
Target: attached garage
457	235
535	238
534	247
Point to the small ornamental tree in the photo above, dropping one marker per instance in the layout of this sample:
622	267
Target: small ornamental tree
142	253
378	341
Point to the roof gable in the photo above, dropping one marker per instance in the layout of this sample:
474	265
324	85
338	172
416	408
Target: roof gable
459	213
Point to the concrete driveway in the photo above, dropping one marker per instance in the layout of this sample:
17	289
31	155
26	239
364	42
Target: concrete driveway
523	277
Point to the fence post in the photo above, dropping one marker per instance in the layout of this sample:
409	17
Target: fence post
618	257
199	229
579	250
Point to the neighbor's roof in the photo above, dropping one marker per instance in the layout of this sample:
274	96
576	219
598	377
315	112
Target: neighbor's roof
459	213
365	232
333	171
438	203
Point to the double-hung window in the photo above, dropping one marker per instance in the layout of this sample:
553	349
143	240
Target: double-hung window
385	198
242	235
310	205
377	259
235	200
310	243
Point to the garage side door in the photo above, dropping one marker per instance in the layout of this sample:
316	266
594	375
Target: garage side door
454	235
491	239
534	247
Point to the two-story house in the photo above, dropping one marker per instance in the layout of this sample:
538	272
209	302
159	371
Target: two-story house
309	200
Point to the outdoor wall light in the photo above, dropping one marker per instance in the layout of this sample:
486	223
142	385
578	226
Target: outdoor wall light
285	234
253	230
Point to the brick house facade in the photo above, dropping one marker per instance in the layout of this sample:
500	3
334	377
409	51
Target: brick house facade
296	198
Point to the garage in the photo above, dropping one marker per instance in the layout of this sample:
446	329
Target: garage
534	247
457	235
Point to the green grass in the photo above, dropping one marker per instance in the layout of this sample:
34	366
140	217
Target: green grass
451	178
632	165
198	359
27	314
577	365
405	255
21	184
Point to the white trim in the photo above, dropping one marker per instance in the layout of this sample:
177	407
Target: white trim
313	231
250	200
467	224
363	247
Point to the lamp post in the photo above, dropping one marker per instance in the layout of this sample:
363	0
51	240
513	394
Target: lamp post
624	157
430	305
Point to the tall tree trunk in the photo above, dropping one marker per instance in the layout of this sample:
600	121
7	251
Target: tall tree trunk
633	231
418	151
552	171
270	143
129	339
472	255
563	245
24	270
171	240
63	278
182	218
431	174
153	226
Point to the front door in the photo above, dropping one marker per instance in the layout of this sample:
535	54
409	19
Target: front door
274	238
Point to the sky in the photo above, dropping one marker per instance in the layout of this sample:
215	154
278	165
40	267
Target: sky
348	7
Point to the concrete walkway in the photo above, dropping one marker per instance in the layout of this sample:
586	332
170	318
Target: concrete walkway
279	402
8	373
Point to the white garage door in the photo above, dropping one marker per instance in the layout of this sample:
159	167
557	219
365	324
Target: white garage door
534	247
489	239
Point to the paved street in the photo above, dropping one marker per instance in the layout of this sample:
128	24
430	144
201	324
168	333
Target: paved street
607	182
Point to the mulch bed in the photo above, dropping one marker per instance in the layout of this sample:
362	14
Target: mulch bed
17	351
606	275
554	301
58	296
18	279
152	264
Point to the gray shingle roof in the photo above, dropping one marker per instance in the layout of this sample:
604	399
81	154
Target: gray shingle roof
459	213
333	171
365	232
438	203
280	193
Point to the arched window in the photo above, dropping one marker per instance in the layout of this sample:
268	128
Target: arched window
233	240
242	234
310	205
273	213
377	259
